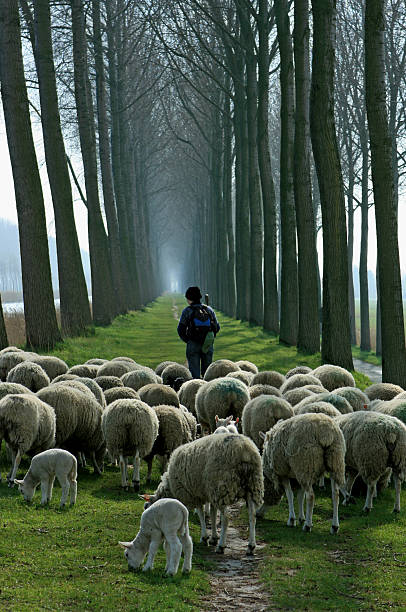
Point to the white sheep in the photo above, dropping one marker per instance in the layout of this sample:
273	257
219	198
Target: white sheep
226	425
166	520
43	469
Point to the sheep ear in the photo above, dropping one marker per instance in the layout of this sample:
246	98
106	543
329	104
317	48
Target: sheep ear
262	435
18	482
125	544
229	419
217	418
145	497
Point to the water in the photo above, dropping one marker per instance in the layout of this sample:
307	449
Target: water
18	307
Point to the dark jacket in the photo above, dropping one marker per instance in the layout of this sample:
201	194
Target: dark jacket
186	317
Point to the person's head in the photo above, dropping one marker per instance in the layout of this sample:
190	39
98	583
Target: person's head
193	295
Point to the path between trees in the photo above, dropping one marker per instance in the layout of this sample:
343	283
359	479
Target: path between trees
374	372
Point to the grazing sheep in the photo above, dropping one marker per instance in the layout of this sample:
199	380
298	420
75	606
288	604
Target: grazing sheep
268	377
221	396
262	413
298	370
116	393
8	361
161	366
318	407
66	376
332	377
43	469
97	391
188	391
395	407
115	368
374	442
96	361
216	469
158	395
191	421
130	428
78	420
11	388
27	425
166	520
337	401
382	391
247	366
83	370
243	375
108	382
299	380
256	390
173	431
219	369
303	448
126	359
53	366
29	375
138	379
75	384
294	396
174	371
354	396
11	349
401	396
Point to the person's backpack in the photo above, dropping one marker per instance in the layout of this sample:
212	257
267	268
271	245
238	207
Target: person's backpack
200	323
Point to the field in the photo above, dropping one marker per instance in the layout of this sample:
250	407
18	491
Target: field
69	560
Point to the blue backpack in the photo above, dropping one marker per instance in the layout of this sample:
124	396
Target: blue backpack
200	323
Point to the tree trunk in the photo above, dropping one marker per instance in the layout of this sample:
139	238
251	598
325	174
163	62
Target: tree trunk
336	340
365	343
228	207
378	348
309	325
350	245
39	309
3	331
104	306
390	289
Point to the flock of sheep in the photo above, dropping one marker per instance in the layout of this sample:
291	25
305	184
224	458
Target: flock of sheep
296	429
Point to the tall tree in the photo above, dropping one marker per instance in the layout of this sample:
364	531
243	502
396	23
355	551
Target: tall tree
39	309
390	289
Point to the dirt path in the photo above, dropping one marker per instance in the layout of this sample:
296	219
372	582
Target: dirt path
373	371
235	580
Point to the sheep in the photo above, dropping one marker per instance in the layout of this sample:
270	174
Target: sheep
53	366
84	370
243	375
337	401
299	380
96	361
66	376
8	361
155	394
97	391
268	377
226	425
318	407
116	393
174	371
303	448
294	396
216	469
161	366
395	407
138	379
247	366
261	413
173	431
11	349
191	421
130	427
401	396
78	420
115	368
29	375
382	391
374	442
256	390
354	396
188	391
332	377
298	370
108	382
75	384
166	520
126	359
43	469
27	424
219	369
222	396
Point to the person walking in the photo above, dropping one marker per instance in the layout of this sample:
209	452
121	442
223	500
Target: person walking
198	326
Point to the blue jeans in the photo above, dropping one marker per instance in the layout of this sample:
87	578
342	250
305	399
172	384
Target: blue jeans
198	360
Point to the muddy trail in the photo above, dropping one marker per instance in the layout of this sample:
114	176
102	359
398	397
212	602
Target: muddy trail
234	580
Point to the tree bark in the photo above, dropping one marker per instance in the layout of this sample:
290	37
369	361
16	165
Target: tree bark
3	331
390	289
365	343
336	341
350	244
39	309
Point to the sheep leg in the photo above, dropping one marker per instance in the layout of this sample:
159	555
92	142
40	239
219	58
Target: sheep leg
175	548
370	494
50	487
309	509
300	500
153	549
348	487
136	472
17	460
223	534
96	467
321	483
167	553
289	495
65	486
203	529
123	471
335	496
149	472
44	492
213	519
252	520
187	546
73	491
398	486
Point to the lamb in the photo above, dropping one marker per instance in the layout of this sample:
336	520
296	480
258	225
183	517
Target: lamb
243	375
130	428
138	379
299	380
262	413
156	394
375	442
188	391
382	391
354	396
304	447
116	393
166	520
256	390
332	377
226	425
27	425
269	377
174	371
219	369
53	366
216	469
247	366
43	469
108	382
222	396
